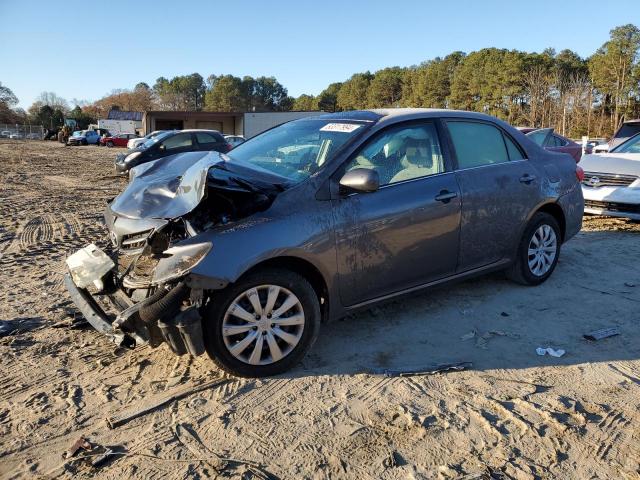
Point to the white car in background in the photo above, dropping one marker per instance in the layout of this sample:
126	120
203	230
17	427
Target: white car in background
611	184
234	140
136	142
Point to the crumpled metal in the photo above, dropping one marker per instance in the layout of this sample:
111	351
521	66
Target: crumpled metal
166	188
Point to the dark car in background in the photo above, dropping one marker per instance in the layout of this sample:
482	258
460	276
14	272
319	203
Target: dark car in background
242	255
552	141
119	140
171	143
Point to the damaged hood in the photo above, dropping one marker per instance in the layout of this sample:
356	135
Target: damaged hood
166	188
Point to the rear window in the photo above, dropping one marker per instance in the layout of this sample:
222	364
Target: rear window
478	144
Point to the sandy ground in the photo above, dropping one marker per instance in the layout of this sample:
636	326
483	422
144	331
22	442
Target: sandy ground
514	415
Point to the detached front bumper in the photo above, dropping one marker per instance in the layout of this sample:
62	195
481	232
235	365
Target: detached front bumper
97	317
169	313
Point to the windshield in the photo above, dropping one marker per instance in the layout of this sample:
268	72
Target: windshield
152	141
297	149
630	146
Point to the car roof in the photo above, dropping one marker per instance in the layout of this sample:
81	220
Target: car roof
394	114
195	130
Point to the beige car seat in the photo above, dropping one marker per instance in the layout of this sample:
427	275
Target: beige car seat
419	160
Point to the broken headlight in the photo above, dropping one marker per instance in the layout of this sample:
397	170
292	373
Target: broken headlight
180	260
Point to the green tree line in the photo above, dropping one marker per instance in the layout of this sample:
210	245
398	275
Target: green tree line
577	96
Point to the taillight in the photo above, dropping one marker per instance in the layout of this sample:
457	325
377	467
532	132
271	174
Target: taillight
579	173
229	147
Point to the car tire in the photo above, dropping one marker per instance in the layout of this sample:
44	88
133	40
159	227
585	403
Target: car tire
85	143
218	314
542	236
110	144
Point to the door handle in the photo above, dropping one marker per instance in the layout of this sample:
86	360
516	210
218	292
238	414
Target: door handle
526	178
445	196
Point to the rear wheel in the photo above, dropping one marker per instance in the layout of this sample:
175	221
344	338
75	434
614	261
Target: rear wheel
263	324
538	251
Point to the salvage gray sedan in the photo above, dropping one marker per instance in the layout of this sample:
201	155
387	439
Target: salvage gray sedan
243	255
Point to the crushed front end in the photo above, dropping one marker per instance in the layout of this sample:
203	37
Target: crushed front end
136	289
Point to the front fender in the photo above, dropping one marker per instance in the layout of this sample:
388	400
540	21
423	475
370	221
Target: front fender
239	247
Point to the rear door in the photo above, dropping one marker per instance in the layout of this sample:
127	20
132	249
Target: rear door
406	233
210	141
499	188
181	142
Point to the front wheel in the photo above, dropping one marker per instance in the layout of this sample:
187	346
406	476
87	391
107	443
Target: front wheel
538	251
263	324
110	144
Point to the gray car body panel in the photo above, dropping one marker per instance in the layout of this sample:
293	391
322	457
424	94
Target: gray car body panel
342	239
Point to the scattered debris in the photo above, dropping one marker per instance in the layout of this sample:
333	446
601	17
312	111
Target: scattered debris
104	457
429	370
554	353
604	292
602	333
190	440
481	339
6	328
153	402
73	324
81	444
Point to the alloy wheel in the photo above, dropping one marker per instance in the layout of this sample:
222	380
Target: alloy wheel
263	324
543	248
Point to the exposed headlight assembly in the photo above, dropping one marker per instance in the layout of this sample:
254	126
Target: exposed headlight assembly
181	259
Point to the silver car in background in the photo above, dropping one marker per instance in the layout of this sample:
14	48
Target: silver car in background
136	142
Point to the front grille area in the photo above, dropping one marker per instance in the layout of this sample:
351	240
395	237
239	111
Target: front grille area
613	206
597	179
135	241
140	273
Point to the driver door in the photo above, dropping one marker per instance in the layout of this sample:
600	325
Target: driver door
405	234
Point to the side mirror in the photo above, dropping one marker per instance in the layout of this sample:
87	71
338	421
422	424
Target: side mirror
360	180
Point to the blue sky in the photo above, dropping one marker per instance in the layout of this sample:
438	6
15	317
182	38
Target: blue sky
305	44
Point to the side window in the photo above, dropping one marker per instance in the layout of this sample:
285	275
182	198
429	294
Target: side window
178	141
514	152
559	141
401	153
477	144
206	140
